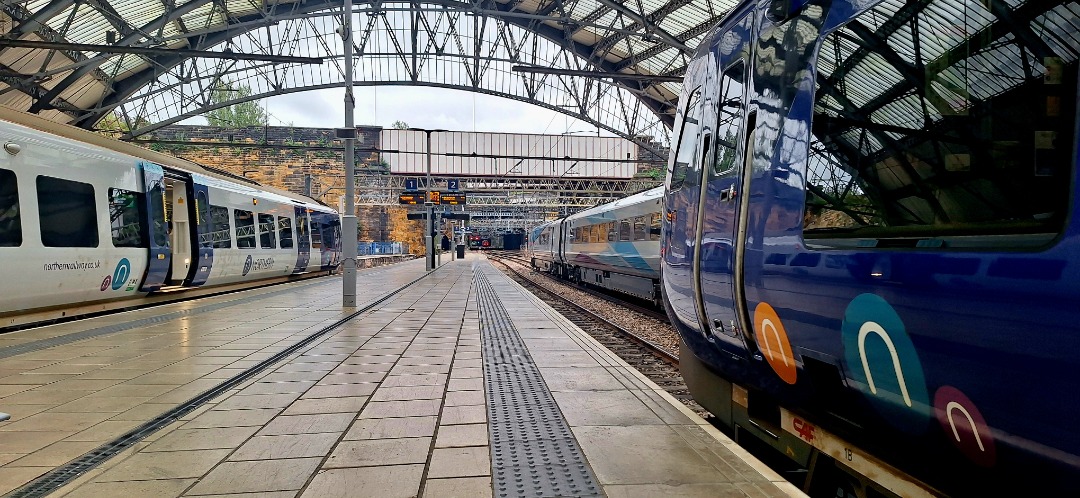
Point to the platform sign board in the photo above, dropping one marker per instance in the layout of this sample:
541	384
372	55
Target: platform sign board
411	198
453	185
454	198
434	197
412	184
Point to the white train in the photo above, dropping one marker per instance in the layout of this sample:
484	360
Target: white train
613	246
87	219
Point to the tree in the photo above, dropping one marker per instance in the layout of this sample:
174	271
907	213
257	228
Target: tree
237	115
114	123
400	125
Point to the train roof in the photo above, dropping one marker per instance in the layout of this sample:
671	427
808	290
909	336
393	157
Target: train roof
652	194
81	135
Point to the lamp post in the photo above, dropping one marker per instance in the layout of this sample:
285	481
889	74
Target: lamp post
348	221
430	210
429	226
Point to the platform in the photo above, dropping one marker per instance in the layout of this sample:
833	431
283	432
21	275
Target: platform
453	383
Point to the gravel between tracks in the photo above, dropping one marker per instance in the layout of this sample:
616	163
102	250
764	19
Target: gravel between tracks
659	333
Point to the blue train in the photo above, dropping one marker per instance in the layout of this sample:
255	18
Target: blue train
870	245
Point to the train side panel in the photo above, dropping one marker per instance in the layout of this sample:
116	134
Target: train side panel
616	246
75	190
240	253
902	280
543	246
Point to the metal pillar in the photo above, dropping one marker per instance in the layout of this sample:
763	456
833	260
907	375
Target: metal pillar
348	221
430	210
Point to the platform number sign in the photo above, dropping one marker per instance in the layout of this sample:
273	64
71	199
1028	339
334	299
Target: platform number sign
411	184
453	185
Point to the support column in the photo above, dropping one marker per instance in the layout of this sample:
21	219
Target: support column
348	220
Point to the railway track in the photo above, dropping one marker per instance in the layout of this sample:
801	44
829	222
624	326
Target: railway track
658	364
599	294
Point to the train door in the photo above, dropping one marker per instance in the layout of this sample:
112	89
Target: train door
681	202
157	227
717	267
303	239
179	228
203	232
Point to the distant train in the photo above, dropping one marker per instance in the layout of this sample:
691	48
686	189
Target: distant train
614	246
86	219
871	243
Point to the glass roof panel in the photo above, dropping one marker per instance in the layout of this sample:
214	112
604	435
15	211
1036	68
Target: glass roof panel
242	7
649	6
1060	28
90	26
864	82
138	12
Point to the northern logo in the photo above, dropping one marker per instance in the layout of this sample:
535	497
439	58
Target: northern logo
247	265
120	274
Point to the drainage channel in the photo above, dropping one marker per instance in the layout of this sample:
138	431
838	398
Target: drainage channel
66	473
533	452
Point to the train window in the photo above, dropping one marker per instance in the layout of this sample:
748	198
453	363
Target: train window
686	153
607	231
220	235
10	219
639	229
729	116
964	141
67	213
624	230
267	232
302	224
285	232
316	234
654	226
126	217
245	229
333	235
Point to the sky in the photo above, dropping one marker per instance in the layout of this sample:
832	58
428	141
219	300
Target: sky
419	107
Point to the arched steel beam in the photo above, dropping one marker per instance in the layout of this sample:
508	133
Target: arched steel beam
125	88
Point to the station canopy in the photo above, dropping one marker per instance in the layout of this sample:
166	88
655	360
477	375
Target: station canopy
613	63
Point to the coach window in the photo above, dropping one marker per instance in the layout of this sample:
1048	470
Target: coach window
608	232
654	226
964	141
125	216
639	229
730	117
220	236
625	232
10	220
285	232
67	213
689	129
267	232
245	229
316	234
302	231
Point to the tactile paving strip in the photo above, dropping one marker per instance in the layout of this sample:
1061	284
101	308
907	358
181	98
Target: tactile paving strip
533	452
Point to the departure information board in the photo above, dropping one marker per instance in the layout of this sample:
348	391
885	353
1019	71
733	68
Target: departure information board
454	198
411	198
